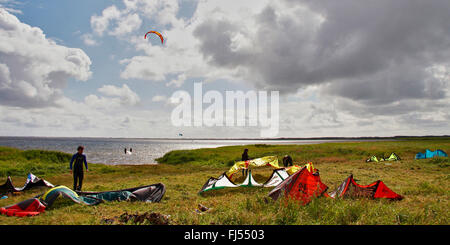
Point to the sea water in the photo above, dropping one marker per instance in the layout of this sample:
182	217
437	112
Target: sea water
145	151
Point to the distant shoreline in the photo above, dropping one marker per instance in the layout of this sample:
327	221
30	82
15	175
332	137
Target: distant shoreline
249	139
110	150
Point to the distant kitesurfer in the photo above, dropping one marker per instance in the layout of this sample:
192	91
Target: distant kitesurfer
79	158
245	158
287	161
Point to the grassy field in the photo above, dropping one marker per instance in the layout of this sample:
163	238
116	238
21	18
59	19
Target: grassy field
424	183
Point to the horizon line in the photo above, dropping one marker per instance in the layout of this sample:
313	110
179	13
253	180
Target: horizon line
212	138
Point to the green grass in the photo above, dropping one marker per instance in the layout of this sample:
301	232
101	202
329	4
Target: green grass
14	162
424	183
335	152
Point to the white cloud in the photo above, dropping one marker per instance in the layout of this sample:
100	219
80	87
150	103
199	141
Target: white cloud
100	23
179	54
159	98
127	24
102	103
316	48
10	6
124	93
177	82
89	40
34	69
352	72
129	19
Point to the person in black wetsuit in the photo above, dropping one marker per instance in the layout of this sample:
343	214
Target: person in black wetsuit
287	161
245	158
77	161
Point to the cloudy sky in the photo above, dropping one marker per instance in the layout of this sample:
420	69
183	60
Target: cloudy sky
343	68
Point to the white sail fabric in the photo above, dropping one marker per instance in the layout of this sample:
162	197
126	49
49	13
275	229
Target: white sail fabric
222	182
276	178
249	181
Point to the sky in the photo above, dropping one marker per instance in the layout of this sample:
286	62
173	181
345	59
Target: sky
344	68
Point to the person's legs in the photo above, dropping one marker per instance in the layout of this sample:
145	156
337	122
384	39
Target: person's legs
80	180
75	178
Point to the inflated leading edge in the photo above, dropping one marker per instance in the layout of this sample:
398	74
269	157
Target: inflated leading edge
31	182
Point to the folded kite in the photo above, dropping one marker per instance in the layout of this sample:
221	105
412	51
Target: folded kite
37	205
30	207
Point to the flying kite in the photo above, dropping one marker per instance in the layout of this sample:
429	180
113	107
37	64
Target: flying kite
157	33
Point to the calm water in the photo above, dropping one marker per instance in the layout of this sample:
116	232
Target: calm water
145	151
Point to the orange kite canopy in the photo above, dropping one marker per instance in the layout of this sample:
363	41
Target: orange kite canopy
157	33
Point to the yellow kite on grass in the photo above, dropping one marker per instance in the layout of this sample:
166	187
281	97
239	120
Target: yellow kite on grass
258	162
293	169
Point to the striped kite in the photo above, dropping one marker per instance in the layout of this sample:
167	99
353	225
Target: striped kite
157	33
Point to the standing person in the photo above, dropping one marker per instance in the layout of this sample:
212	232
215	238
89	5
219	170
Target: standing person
78	159
131	150
125	150
245	158
287	161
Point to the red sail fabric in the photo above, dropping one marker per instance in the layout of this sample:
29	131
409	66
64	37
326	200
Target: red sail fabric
302	186
384	192
350	189
30	207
